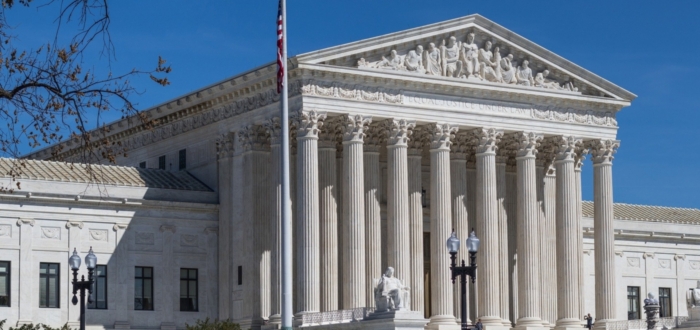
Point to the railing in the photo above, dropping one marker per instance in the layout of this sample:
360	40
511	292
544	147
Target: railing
334	317
667	322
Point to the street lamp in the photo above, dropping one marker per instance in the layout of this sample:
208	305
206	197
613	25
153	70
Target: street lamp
463	271
82	285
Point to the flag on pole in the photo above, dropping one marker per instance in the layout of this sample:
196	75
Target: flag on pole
280	45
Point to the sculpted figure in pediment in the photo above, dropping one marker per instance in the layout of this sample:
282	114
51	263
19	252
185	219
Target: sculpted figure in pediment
414	60
470	56
542	81
451	65
508	70
524	74
490	66
394	62
433	62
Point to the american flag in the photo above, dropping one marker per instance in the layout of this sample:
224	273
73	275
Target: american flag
280	45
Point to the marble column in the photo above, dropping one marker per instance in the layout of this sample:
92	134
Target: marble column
261	225
354	270
567	227
471	210
542	161
122	274
503	241
373	216
440	228
415	205
273	129
224	154
604	236
528	232
512	211
307	239
398	234
166	278
74	228
339	185
487	227
460	215
581	154
549	238
328	213
26	272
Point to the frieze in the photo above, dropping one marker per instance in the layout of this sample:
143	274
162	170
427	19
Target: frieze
145	239
51	233
99	235
6	231
189	240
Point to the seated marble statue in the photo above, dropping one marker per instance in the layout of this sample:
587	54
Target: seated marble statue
394	62
390	294
693	297
651	300
414	60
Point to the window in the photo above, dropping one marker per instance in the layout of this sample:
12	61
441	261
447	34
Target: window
240	275
182	159
99	288
143	289
665	302
142	165
161	162
49	278
633	303
188	290
4	284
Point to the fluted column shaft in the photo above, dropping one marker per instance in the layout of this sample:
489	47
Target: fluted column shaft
603	236
261	174
503	240
440	227
307	239
512	210
354	270
460	215
579	234
548	265
487	227
373	217
567	225
528	233
328	213
398	234
541	262
273	129
415	204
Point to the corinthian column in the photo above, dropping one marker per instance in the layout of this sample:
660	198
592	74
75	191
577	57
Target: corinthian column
567	227
440	228
354	279
373	216
415	206
460	215
603	237
581	154
487	227
528	232
275	229
503	259
328	212
397	133
307	238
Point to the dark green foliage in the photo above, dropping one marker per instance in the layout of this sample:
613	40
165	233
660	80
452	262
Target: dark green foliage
210	325
38	326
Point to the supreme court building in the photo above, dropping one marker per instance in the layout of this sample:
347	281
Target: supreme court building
396	141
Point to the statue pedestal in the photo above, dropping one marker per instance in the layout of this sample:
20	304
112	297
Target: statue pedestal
693	319
395	320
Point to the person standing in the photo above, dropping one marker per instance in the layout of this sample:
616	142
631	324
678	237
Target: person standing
589	321
479	326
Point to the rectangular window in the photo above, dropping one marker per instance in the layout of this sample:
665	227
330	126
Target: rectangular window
143	289
240	275
188	290
49	278
99	288
665	302
182	159
161	162
4	284
142	165
633	303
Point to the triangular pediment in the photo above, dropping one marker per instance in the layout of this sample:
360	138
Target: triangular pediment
471	61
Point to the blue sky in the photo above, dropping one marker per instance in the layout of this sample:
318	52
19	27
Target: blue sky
646	47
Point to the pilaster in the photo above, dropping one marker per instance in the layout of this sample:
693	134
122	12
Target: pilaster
29	277
168	279
224	154
74	228
122	277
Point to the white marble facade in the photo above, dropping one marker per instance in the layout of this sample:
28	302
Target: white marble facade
457	125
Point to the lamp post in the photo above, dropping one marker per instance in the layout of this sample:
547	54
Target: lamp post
82	285
463	271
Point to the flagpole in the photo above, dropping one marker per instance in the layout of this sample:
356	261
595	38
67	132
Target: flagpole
287	313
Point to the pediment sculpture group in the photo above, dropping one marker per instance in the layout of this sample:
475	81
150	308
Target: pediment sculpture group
466	60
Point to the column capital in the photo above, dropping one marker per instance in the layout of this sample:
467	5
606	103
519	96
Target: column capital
441	135
527	144
398	131
170	228
224	146
121	226
309	124
564	147
374	136
273	127
71	224
25	221
602	151
331	133
419	139
462	146
354	128
252	137
581	154
486	140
